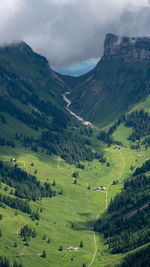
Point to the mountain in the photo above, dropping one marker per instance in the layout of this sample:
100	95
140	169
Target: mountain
61	181
30	92
116	84
19	63
32	109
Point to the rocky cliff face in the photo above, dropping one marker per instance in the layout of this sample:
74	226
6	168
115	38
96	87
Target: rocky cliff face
129	49
119	81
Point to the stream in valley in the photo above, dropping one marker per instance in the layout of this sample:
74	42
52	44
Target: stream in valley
87	123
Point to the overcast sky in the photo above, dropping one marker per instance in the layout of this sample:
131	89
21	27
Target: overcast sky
71	31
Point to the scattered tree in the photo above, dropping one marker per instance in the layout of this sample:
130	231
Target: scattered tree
61	248
44	254
44	237
75	181
75	174
54	183
81	244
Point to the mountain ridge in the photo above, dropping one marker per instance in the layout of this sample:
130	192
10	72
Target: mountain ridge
116	84
127	48
56	175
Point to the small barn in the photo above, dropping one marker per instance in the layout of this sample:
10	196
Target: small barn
13	160
100	188
71	248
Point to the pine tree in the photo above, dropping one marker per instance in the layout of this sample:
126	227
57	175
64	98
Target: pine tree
54	183
81	244
75	181
61	248
15	264
44	254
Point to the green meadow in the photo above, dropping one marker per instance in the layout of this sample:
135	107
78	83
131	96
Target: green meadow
68	218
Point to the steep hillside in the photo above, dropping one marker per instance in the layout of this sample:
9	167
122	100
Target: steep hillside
31	69
57	177
32	110
126	224
30	92
118	82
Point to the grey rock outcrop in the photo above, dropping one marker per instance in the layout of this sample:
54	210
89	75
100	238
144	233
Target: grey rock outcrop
127	48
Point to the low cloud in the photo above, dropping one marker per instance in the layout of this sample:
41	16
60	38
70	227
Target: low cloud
71	31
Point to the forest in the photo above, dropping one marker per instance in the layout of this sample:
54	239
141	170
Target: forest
26	185
15	203
4	262
71	147
140	258
144	168
139	120
127	223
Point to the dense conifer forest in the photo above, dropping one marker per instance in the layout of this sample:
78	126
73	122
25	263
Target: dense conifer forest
139	120
140	258
26	185
127	225
4	262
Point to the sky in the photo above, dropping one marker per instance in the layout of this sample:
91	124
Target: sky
71	32
79	68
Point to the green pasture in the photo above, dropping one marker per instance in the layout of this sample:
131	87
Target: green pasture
68	218
143	105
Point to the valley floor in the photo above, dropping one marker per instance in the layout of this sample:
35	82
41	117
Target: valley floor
68	218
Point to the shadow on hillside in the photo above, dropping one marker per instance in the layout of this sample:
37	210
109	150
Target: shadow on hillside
84	213
83	225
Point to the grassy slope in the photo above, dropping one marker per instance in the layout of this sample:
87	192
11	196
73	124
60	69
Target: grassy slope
144	104
77	206
114	88
14	126
34	69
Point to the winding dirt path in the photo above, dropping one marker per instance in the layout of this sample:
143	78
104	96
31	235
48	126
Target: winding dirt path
124	164
58	165
106	204
95	250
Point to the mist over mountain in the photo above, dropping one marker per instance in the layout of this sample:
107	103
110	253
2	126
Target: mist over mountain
69	32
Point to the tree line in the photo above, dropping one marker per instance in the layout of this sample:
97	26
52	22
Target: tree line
15	203
139	120
5	262
144	168
71	147
140	258
126	225
26	185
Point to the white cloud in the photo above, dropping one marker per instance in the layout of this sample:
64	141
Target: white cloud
69	31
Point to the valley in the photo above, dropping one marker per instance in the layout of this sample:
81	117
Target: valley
78	206
70	183
68	218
